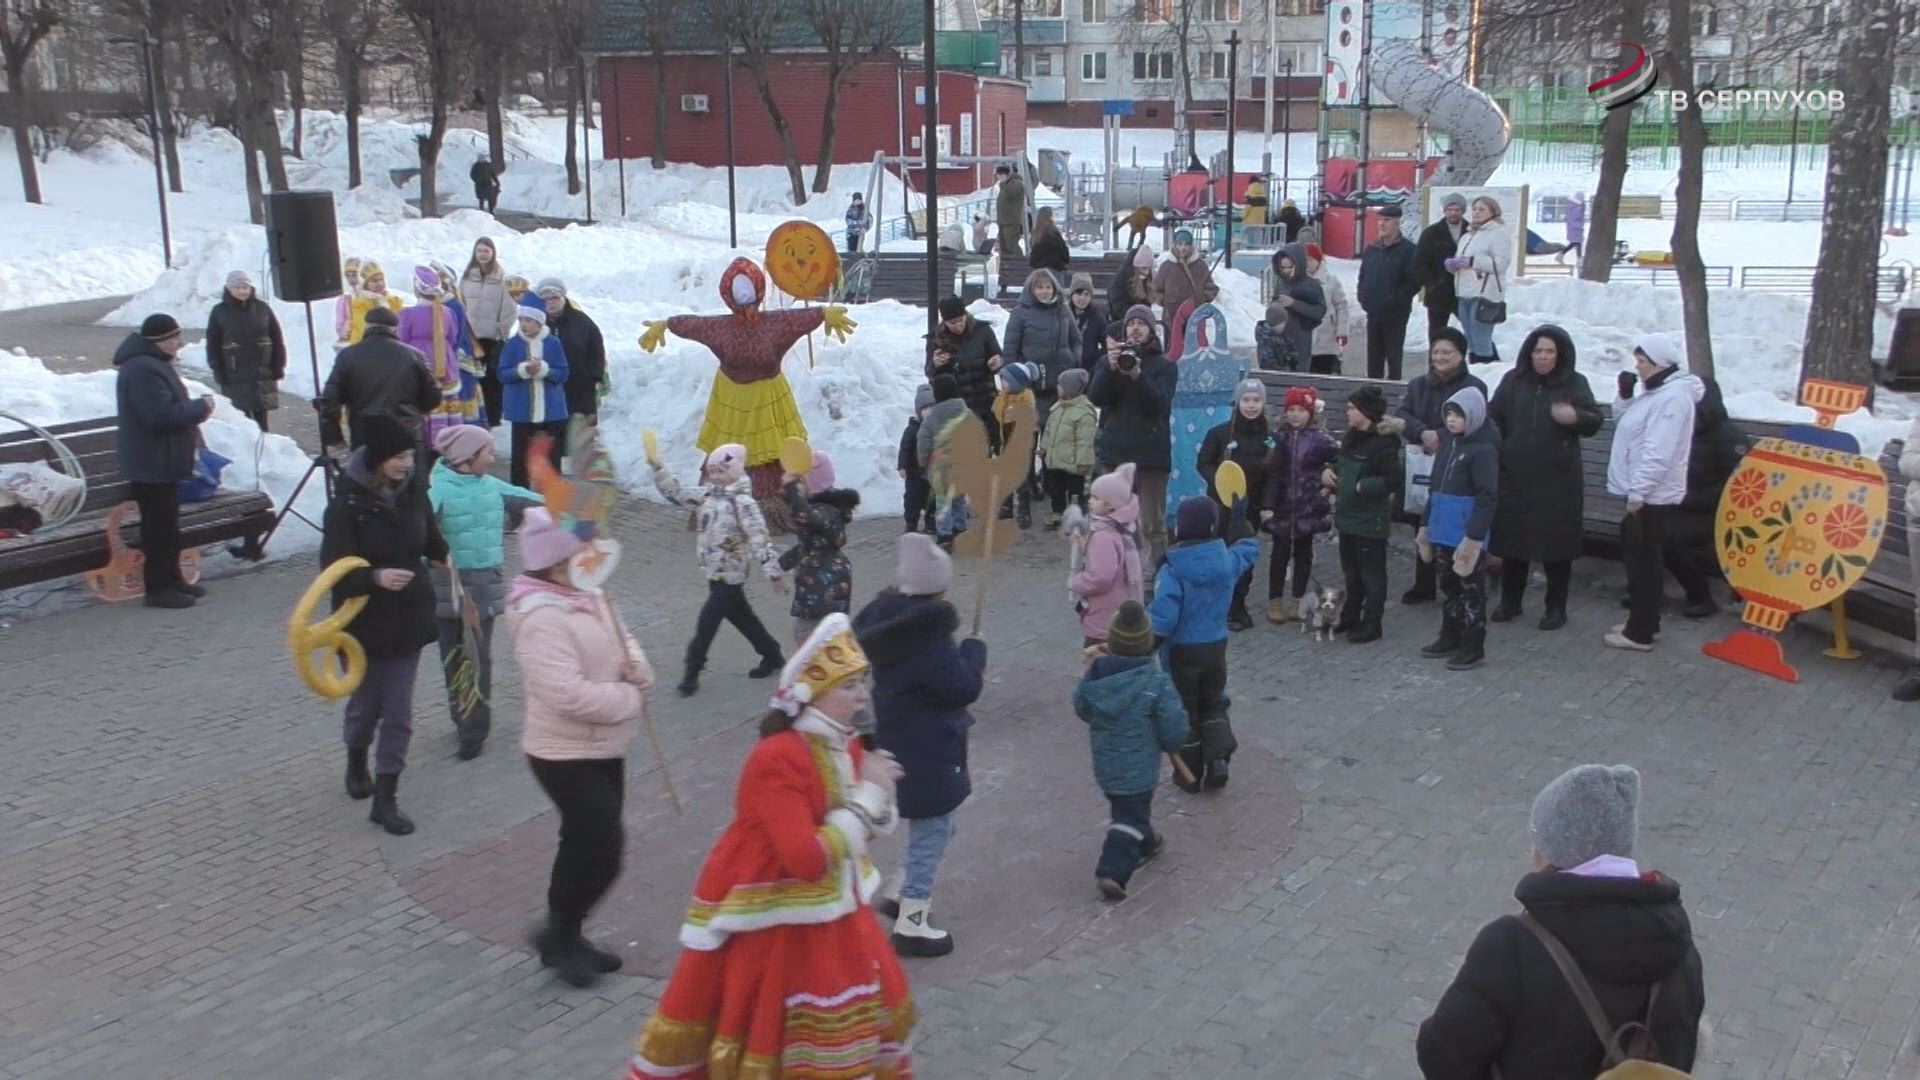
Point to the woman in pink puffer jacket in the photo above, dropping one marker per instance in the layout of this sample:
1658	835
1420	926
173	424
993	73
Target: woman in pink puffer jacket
585	683
1110	574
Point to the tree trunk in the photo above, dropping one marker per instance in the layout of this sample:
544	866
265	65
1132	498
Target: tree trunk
1603	213
1687	264
573	152
163	107
823	168
266	128
660	112
249	152
757	64
349	65
1019	39
496	80
23	144
296	62
430	158
1846	275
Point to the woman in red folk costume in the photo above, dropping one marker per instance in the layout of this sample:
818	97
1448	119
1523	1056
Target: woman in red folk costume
751	403
786	975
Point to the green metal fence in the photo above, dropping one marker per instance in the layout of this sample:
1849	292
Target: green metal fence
1549	123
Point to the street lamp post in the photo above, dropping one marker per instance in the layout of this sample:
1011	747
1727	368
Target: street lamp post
1233	107
146	44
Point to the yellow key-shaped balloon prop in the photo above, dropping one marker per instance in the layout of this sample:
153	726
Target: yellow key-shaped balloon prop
651	442
329	634
1230	483
796	456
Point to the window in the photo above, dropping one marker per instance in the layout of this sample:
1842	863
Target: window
1303	7
1153	10
1706	22
1817	19
1152	66
1304	58
1038	64
1220	11
1093	11
1093	67
1210	64
1707	74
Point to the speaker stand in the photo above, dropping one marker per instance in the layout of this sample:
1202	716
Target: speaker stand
254	550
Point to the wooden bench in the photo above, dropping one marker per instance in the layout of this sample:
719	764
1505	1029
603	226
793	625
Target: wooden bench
81	544
1640	206
1884	599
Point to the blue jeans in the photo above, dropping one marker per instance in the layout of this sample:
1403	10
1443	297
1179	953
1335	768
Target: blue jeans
1130	837
1479	334
927	840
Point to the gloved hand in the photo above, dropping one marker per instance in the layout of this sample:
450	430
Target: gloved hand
1454	263
655	336
1626	381
1466	557
1423	545
837	322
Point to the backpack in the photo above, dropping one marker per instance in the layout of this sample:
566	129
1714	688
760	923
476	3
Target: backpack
1639	1061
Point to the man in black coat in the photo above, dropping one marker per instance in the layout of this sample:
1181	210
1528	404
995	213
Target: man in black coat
378	374
1688	548
1438	243
1423	412
157	441
1133	389
486	184
1387	287
967	349
580	339
1511	1011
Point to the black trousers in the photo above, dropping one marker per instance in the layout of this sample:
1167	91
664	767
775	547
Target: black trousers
728	603
488	198
490	378
259	416
1513	583
1689	555
1386	345
1363	562
1065	487
1300	551
159	535
1324	364
1200	675
1437	320
523	439
918	501
1641	538
589	795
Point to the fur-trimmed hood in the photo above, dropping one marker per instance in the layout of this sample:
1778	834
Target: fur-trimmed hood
895	626
845	500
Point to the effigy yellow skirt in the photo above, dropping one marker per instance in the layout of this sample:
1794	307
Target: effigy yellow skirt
758	415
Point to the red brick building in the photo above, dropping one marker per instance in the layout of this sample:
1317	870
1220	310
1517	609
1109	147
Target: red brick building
879	106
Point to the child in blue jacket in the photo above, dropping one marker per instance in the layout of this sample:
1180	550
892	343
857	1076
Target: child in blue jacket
1192	594
471	507
1133	715
1465	491
533	387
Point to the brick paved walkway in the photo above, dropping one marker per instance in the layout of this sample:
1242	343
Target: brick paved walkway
185	891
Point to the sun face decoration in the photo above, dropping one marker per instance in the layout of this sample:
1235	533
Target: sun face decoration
802	261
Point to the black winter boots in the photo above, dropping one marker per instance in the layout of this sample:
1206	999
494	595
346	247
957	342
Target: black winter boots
1472	650
1446	644
575	960
386	806
359	780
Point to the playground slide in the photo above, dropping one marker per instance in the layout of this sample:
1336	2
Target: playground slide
1478	127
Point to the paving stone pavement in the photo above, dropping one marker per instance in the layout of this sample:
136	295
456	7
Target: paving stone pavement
186	892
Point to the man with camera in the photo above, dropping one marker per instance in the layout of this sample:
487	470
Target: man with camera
1134	391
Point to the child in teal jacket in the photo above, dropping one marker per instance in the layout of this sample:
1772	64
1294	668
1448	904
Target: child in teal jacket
471	506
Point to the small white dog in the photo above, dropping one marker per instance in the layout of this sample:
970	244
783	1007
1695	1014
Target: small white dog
1319	620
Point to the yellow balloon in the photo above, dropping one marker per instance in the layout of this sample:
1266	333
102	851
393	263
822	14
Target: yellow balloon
652	444
329	634
796	456
1230	482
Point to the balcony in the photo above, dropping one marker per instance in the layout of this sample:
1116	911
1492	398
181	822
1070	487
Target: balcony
1046	89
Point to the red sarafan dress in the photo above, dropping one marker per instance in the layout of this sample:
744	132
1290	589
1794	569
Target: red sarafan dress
786	975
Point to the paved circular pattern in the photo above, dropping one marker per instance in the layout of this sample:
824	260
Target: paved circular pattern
1016	886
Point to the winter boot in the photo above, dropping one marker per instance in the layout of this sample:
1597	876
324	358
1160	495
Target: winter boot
359	780
1446	644
564	951
1238	620
1151	847
1554	619
1366	633
1023	509
1908	688
1472	651
1505	614
1216	777
386	806
604	962
1196	766
1281	609
1111	889
689	683
172	599
768	667
1424	587
914	933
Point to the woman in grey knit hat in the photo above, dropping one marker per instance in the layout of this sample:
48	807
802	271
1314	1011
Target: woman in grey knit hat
1512	1011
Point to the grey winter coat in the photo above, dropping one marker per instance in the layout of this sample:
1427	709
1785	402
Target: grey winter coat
246	353
159	420
490	308
1045	335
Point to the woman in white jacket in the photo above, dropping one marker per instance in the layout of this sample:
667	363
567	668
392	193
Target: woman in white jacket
1909	688
490	316
1330	337
1652	440
1480	274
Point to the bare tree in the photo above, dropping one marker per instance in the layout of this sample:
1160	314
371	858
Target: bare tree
569	21
444	48
498	30
1688	266
750	25
249	37
1157	27
1846	279
294	63
659	18
352	25
160	20
23	26
852	32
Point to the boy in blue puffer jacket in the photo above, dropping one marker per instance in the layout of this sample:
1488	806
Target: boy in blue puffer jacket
471	508
1133	715
1192	593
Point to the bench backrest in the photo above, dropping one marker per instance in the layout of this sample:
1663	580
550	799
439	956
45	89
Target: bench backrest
91	441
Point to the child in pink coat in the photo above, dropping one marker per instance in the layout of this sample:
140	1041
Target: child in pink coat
585	682
1111	573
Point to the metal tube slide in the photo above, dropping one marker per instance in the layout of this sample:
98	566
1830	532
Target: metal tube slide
1478	128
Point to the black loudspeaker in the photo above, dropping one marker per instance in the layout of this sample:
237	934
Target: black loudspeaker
303	245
